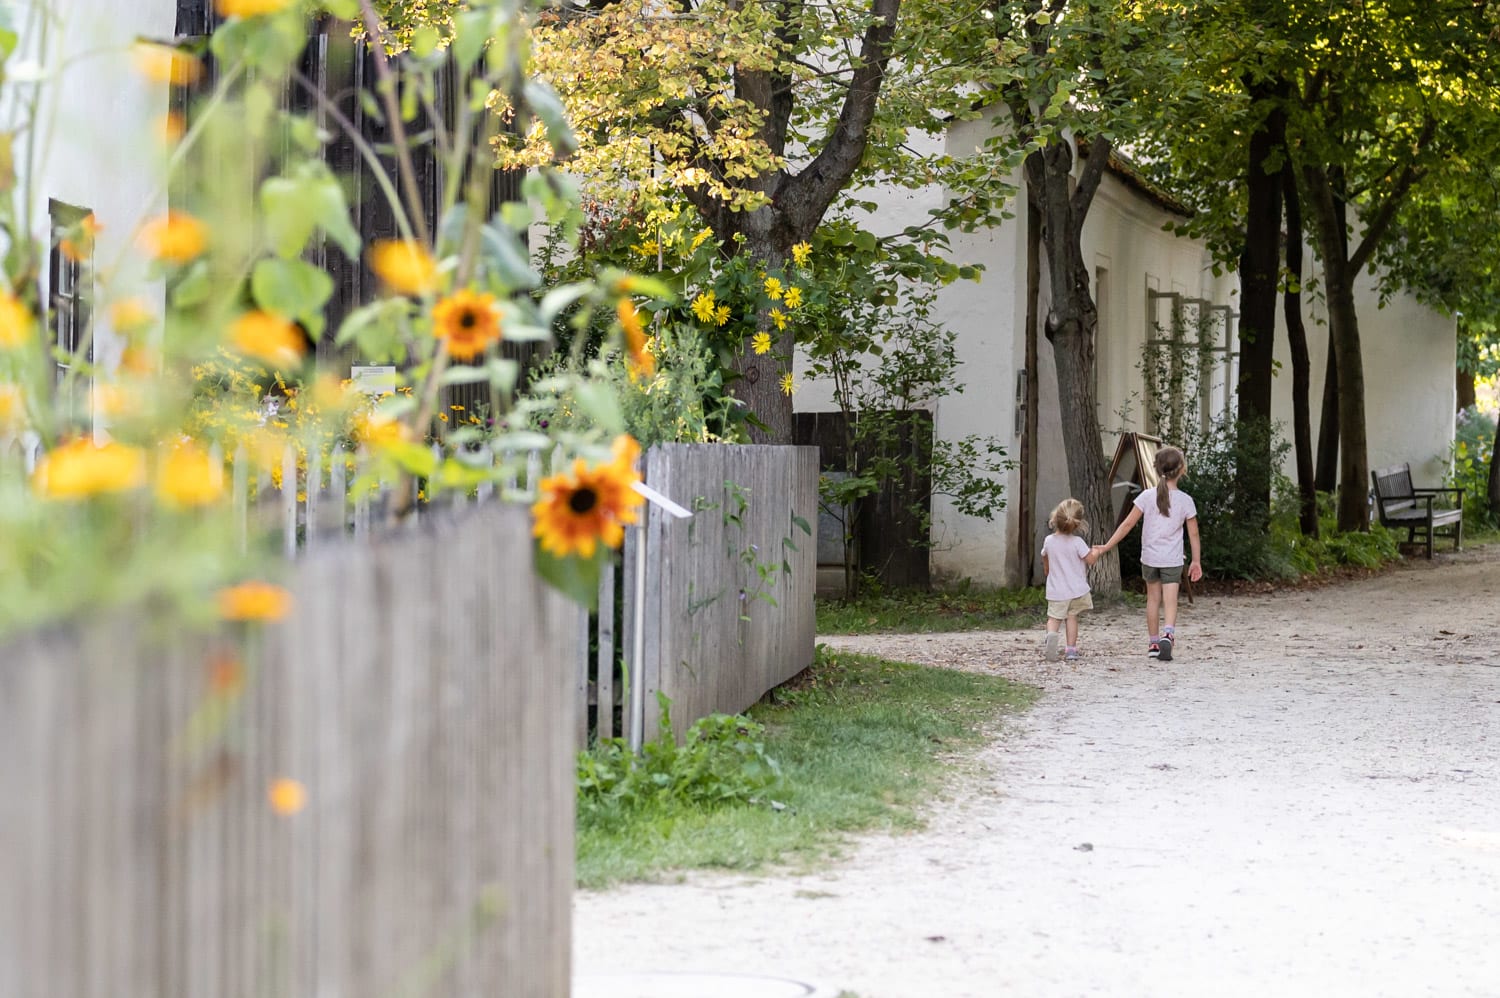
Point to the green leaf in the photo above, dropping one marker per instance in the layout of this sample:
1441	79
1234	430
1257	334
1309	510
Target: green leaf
194	287
575	577
293	289
547	107
470	32
598	402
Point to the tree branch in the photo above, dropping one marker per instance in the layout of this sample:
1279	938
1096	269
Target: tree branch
1094	165
1376	229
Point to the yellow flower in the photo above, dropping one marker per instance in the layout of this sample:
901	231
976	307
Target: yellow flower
721	315
642	364
379	432
405	266
189	476
17	324
761	343
773	289
646	249
778	317
114	400
703	306
12	408
78	469
793	297
788	386
137	360
129	315
78	245
165	64
467	322
585	507
286	797
176	237
250	8
801	253
254	601
269	339
699	239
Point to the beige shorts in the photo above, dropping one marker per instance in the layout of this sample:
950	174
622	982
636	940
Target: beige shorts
1062	609
1166	576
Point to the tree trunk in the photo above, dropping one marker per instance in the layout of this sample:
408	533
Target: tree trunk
1326	473
1296	336
759	385
1343	332
1026	514
1072	321
1493	485
1259	272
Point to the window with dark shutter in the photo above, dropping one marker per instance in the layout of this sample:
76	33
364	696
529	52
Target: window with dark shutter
70	285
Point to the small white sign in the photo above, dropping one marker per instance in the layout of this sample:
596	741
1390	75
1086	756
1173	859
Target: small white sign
661	501
374	379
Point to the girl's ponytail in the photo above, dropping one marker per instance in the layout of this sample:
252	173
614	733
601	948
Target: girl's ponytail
1169	464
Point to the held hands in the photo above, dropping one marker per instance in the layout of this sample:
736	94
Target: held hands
1095	553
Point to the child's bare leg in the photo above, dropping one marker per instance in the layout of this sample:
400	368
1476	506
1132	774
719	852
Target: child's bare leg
1169	602
1153	608
1053	624
1072	630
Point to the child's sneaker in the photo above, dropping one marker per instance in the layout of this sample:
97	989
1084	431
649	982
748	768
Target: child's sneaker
1049	647
1071	655
1154	651
1165	647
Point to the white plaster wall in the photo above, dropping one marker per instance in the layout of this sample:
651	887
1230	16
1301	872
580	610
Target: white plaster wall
97	141
1410	352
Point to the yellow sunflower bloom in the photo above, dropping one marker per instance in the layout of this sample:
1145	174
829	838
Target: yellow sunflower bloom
773	289
642	363
405	266
254	601
585	507
699	239
176	237
17	324
165	64
189	476
793	297
788	386
79	469
761	343
269	339
250	8
467	322
801	253
778	317
721	315
703	306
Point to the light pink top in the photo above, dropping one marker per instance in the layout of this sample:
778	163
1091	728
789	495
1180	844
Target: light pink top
1161	536
1067	575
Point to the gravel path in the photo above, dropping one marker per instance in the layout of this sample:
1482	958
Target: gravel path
1305	802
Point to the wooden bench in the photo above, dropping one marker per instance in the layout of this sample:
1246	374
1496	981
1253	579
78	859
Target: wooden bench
1401	506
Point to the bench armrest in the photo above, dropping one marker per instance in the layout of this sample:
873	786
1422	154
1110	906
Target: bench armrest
1443	491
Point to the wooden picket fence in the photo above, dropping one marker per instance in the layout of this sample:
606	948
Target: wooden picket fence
427	712
728	611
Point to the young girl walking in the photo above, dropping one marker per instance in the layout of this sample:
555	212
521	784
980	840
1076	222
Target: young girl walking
1065	557
1165	509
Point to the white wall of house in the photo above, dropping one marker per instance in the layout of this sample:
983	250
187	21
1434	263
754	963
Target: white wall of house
1409	355
98	145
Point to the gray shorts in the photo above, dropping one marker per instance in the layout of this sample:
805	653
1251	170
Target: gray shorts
1166	576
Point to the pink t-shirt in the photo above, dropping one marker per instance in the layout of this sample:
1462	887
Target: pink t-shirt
1161	536
1067	575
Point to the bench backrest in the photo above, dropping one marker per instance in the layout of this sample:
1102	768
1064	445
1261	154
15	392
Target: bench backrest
1393	488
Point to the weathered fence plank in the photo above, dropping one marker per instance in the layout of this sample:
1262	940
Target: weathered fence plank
429	715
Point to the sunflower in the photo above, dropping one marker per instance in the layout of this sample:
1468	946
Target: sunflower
641	362
793	297
17	324
788	384
405	266
175	237
585	506
267	338
254	601
79	469
189	476
801	253
773	289
703	306
467	322
761	343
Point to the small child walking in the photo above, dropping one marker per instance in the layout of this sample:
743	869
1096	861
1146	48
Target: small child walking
1165	509
1065	557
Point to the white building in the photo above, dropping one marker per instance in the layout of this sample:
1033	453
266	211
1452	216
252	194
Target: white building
1143	275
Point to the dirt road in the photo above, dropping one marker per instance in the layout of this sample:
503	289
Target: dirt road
1305	802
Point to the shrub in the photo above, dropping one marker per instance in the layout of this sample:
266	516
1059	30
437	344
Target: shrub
1234	539
1473	450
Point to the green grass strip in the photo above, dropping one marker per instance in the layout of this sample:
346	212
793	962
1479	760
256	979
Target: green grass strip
861	742
910	612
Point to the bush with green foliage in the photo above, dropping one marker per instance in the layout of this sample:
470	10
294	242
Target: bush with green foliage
722	759
1473	450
